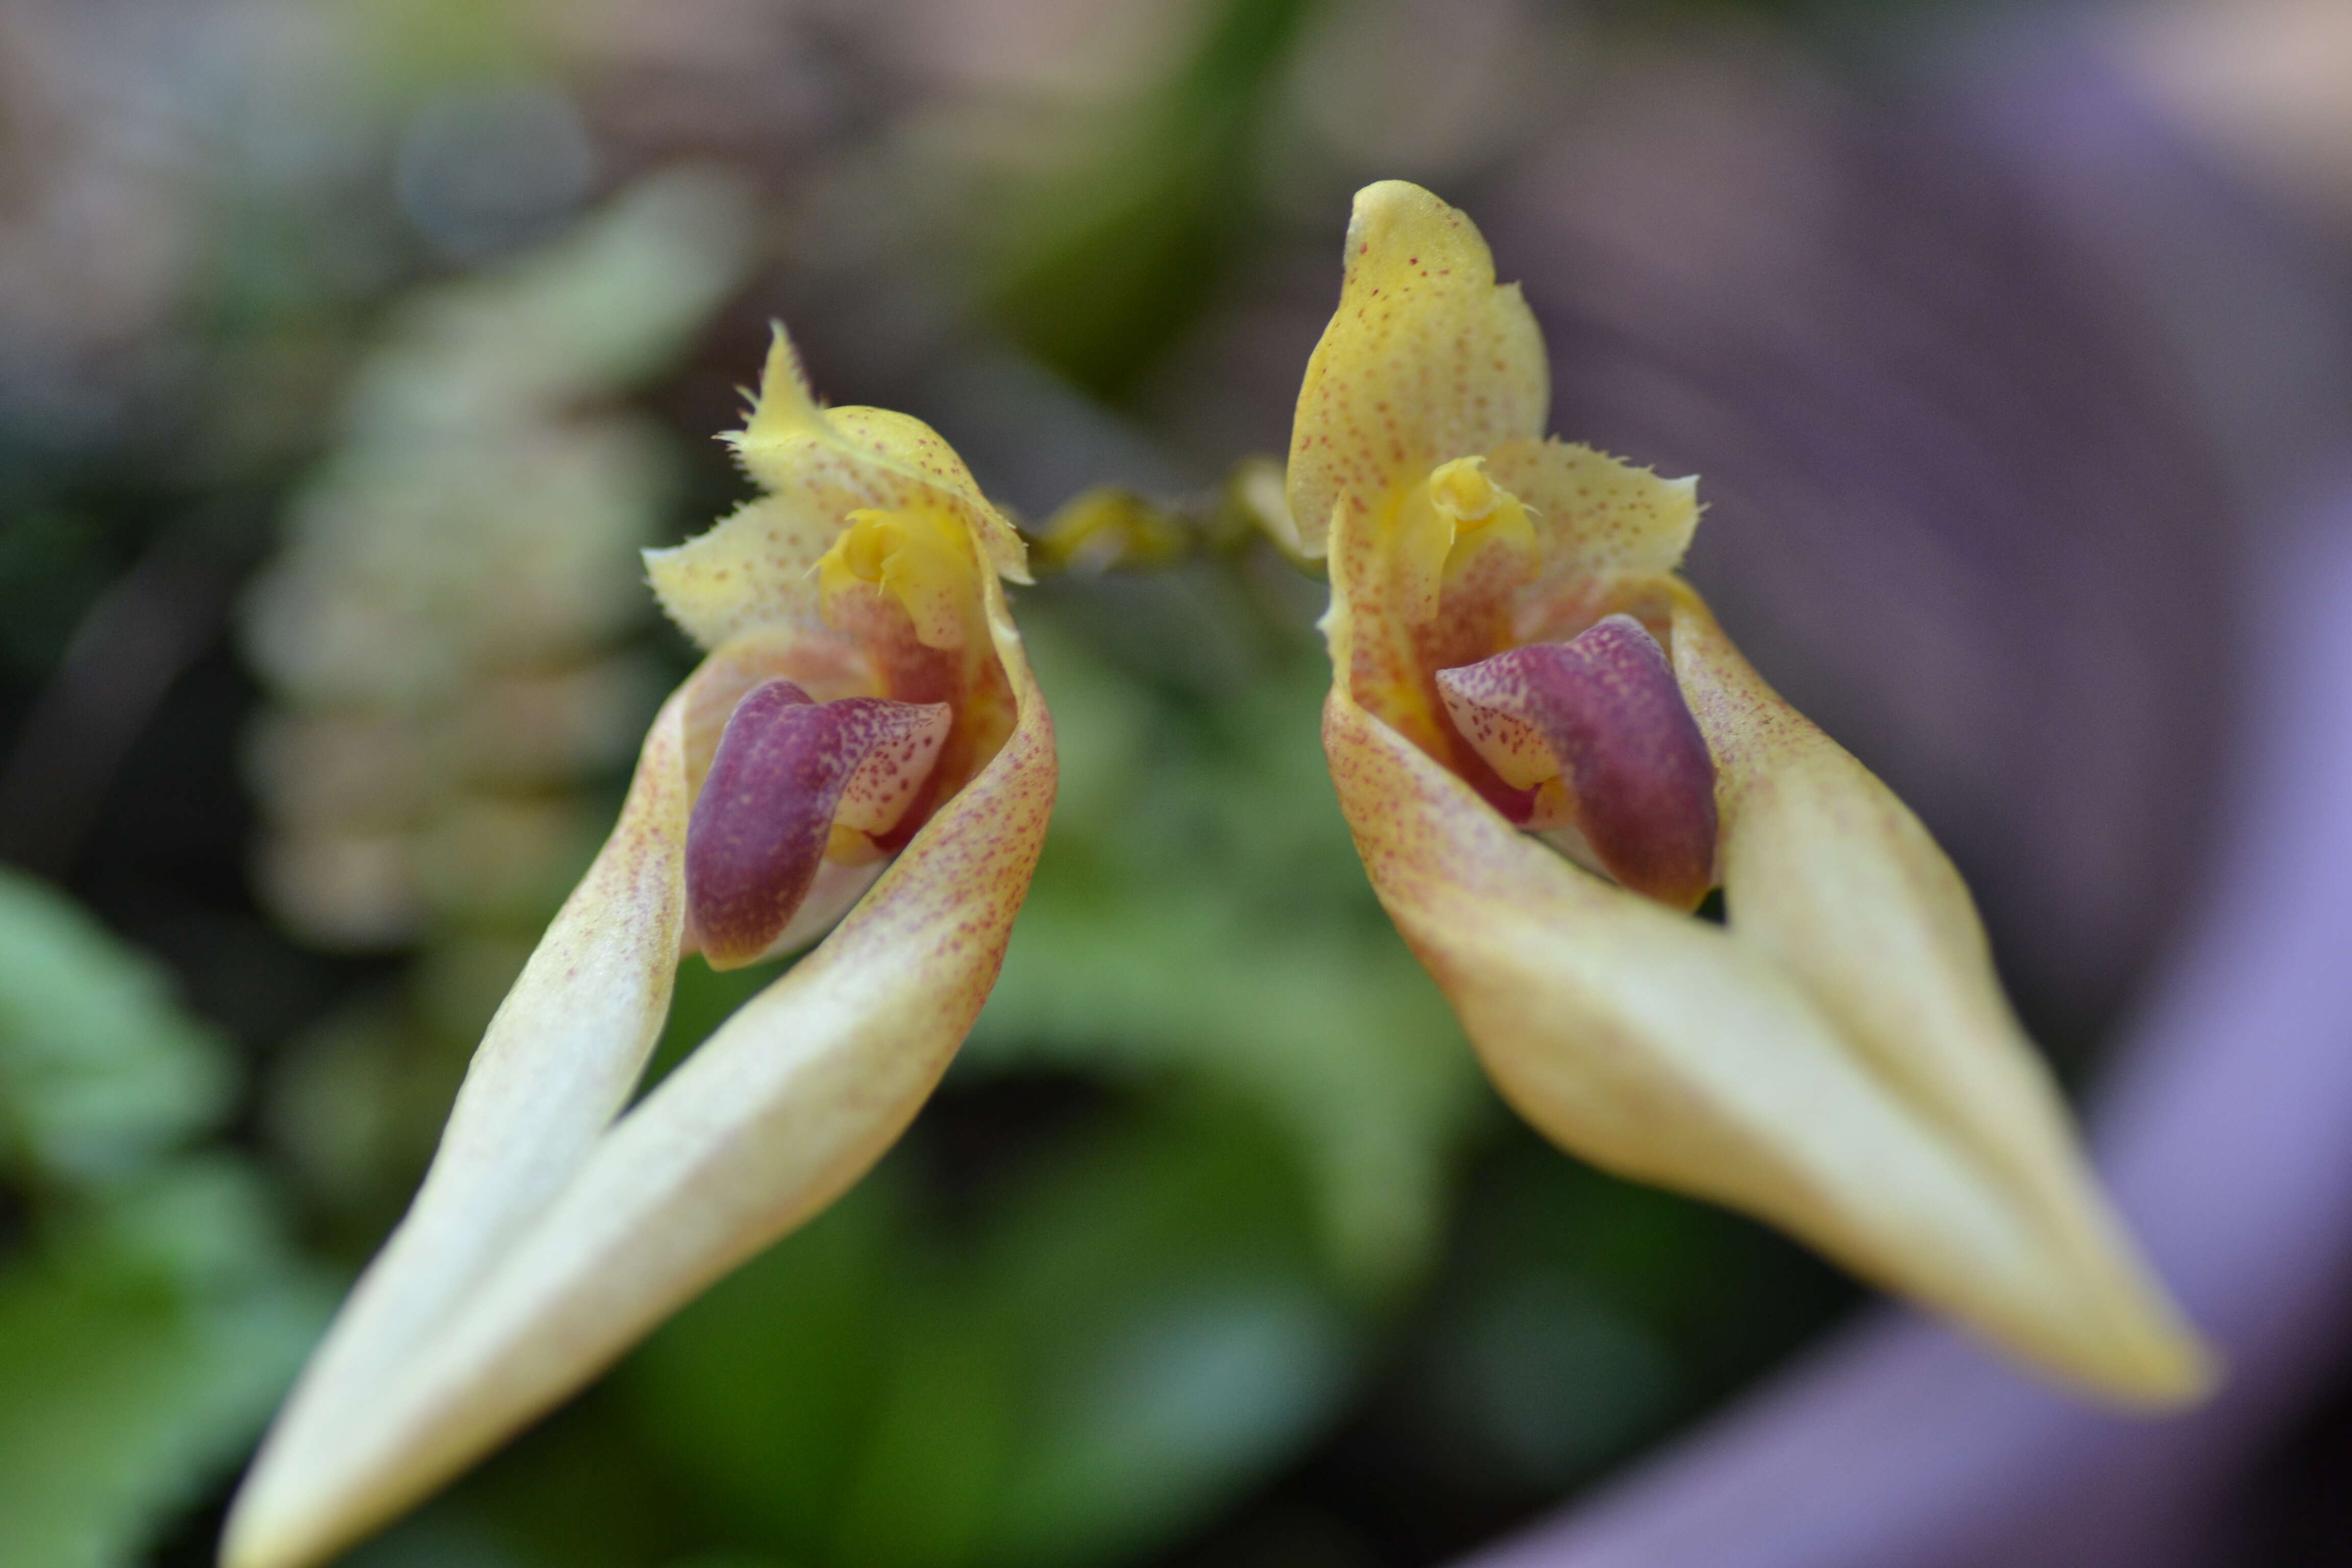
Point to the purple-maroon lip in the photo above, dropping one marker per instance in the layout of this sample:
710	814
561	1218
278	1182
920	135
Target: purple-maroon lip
786	770
1606	707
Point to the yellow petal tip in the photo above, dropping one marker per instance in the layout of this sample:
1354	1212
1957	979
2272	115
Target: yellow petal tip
785	405
2160	1366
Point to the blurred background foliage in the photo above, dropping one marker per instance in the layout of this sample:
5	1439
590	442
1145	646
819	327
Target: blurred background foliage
347	356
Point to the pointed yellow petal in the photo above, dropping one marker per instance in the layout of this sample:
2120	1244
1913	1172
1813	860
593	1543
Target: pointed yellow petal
557	1063
777	1113
1834	878
754	571
1426	360
783	410
1597	518
846	460
1661	1049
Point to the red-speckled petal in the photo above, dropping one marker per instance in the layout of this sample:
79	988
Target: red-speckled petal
1603	712
785	772
557	1064
777	1113
1426	359
1598	517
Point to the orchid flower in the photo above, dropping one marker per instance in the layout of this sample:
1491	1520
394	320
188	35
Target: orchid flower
1550	753
863	745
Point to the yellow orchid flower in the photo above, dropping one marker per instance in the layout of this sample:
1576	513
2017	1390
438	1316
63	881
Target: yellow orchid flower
864	740
1550	753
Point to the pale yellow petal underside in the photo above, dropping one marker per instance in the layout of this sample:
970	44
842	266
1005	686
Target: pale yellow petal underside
785	1106
1666	1050
1831	876
1425	360
557	1063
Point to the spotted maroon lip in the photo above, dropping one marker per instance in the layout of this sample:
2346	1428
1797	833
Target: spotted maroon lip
790	775
1603	715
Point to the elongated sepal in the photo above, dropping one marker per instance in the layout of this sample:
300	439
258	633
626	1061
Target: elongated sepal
557	1063
787	773
1831	876
1676	1052
778	1111
1602	714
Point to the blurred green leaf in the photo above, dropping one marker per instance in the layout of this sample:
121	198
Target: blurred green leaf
139	1354
929	1476
758	1390
607	306
1552	1379
53	565
157	1314
1131	1329
1178	1334
1200	910
442	1537
99	1074
1104	266
1582	1315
